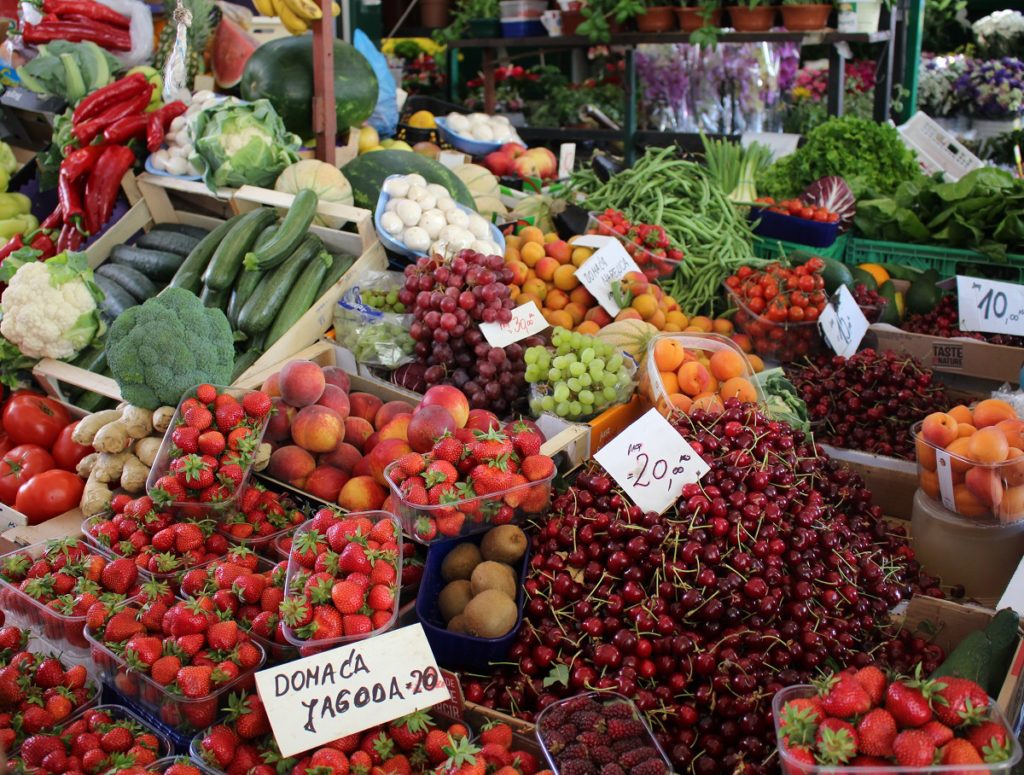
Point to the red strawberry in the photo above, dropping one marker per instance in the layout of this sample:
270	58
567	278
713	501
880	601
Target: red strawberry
49	673
938	732
119	575
117	740
965	702
348	597
218	745
121	626
165	670
256	404
844	697
411	463
357	624
440	472
836	741
206	393
229	416
959	751
876	731
249	716
231	475
525	439
449	449
326	624
496	732
188	536
490	445
198	417
194	472
800	718
913	748
211	443
425	528
195	681
874	682
222	635
909	700
381	598
991	740
450	524
185	438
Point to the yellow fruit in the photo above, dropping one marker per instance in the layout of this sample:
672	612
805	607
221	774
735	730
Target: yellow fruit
901	305
368	138
422	119
877	271
399	145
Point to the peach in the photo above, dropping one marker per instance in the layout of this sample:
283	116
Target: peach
398	428
925	453
450	398
967	504
390	411
694	378
560	250
364	405
357	431
335	375
361	493
743	342
279	426
598	315
326	482
318	429
427	425
991	411
272	385
1012	506
939	429
371	441
545	268
362	468
1014	432
291	464
985	485
344	456
987	445
302	382
382	455
337	399
520	272
961	413
482	420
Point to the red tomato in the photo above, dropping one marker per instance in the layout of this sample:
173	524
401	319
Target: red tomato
48	494
807	213
821	216
5	443
66	452
18	466
34	419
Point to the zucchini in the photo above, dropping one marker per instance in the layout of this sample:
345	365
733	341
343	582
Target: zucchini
970	659
246	283
168	241
115	298
302	296
93	358
265	236
189	274
1003	632
289	234
214	298
339	266
132	280
91	402
262	307
181	228
155	264
245	360
227	258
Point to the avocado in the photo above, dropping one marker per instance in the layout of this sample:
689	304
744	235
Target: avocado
861	277
923	295
891	310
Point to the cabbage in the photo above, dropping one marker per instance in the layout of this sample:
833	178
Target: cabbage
239	144
834	195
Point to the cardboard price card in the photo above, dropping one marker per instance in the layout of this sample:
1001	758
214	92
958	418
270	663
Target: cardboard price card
990	305
842	323
317	699
609	264
526	321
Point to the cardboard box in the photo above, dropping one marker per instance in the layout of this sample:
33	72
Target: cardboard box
891	481
579	441
968	357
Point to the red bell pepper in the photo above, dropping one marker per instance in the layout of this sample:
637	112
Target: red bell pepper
102	34
105	182
127	128
158	122
44	243
87	9
113	94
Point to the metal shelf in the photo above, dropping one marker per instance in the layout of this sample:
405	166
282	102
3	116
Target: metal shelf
638	38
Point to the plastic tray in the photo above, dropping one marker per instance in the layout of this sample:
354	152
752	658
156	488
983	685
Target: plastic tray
522	9
522	28
773	340
162	764
645	259
262	543
478	519
937	150
466	144
793	229
453	649
947	261
163	460
179	742
395	246
120	713
776	250
308	647
792	767
152	170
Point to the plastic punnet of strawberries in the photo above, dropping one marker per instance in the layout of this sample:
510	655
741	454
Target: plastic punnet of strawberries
343	578
648	244
260	514
172	765
861	718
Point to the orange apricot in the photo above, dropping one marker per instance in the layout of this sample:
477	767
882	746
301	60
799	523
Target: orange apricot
985	485
559	317
628	314
669	381
1011	508
702	322
959	460
967	503
722	326
929	482
964	429
987	445
588	327
939	429
581	295
556	299
657	320
531	253
961	413
564	277
681	402
645	304
743	342
726	364
694	378
579	255
513	241
740	388
536	288
559	250
677	318
709	403
756	363
1013	474
545	268
925	453
1014	432
532	234
598	314
668	354
550	237
991	411
576	311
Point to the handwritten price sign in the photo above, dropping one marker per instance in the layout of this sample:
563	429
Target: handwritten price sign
652	462
526	321
608	265
842	323
317	699
991	306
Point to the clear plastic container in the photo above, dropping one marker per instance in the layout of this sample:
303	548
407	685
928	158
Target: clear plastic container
976	491
161	466
544	726
653	266
775	340
653	386
181	713
161	765
121	713
479	511
792	767
522	9
257	543
624	392
308	647
62	632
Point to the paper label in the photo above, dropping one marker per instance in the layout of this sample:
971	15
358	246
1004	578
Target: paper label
780	143
990	305
314	700
652	462
842	323
607	266
456	706
944	469
526	321
451	159
566	159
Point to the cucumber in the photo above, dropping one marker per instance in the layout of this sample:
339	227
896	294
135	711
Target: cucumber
181	228
1003	632
189	274
302	296
262	307
245	360
970	659
215	298
115	298
339	266
167	241
91	402
227	258
132	280
92	358
289	234
155	264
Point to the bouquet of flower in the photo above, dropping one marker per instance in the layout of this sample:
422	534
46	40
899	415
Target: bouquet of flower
937	94
1000	34
993	89
512	84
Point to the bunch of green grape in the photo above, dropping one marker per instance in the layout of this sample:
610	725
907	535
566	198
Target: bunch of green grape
582	377
385	301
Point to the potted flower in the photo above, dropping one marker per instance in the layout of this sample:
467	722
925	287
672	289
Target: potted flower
752	15
603	17
475	18
801	15
656	17
703	13
993	92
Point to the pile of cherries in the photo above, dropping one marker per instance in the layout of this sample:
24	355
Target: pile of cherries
944	320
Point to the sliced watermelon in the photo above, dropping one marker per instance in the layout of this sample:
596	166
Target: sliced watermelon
232	47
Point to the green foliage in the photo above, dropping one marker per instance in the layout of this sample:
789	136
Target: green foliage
946	27
465	11
597	15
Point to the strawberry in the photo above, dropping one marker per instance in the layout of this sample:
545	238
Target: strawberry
381	598
185	438
938	732
347	596
165	670
913	748
198	417
409	731
194	473
195	681
965	702
843	697
434	744
491	445
411	463
218	745
229	415
876	731
525	439
357	624
800	718
496	732
450	524
119	575
121	626
909	700
256	404
222	635
960	751
326	624
425	528
991	740
211	443
206	393
117	740
440	472
449	449
874	682
353	559
49	673
836	741
538	467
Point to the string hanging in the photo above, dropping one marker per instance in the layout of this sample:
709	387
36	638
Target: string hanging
175	71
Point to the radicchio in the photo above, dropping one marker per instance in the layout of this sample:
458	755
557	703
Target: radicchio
835	195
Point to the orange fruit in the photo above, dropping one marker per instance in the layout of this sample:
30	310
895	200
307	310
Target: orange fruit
739	387
532	234
646	305
576	310
564	277
680	402
545	268
987	445
991	411
726	364
556	299
669	382
961	413
709	403
722	326
531	253
702	322
588	327
668	354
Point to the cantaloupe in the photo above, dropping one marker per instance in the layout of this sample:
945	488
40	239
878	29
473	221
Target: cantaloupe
325	179
629	336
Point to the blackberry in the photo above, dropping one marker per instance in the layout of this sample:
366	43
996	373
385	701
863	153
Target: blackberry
575	767
602	754
612	769
631	759
617	710
585	719
650	767
619	729
575	750
554	742
623	746
591	739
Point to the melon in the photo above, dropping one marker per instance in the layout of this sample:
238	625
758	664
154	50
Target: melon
629	336
232	47
367	173
325	179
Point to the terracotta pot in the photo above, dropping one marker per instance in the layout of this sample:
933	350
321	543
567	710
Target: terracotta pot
570	21
758	19
657	19
691	20
434	13
799	18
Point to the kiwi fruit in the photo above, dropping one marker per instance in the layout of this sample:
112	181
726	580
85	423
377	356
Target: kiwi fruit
460	561
505	543
453	598
494	575
457	624
490	614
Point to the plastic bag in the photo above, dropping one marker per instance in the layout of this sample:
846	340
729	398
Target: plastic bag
140	28
375	337
385	116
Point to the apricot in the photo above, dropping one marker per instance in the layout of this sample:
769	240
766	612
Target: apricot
709	403
756	363
559	317
959	460
645	304
1011	508
513	241
743	342
1014	432
536	288
987	445
985	485
531	234
519	271
669	381
925	453
588	327
564	277
628	314
598	314
545	268
677	318
961	413
726	364
929	482
964	429
579	256
580	295
556	299
939	429
722	326
991	411
526	298
702	322
739	388
694	378
531	253
967	503
681	402
559	250
550	237
577	311
1013	475
668	354
512	255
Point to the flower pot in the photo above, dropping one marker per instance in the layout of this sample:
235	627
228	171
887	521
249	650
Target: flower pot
745	19
483	28
986	128
691	19
434	13
798	18
657	19
570	21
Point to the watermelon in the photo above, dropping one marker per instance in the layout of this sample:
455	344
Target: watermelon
232	47
366	173
281	70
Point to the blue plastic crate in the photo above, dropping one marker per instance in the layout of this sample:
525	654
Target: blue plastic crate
522	28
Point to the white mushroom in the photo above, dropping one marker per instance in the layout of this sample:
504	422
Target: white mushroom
391	223
396	187
409	212
416	239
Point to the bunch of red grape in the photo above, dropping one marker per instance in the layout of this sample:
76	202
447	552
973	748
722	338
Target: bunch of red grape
449	298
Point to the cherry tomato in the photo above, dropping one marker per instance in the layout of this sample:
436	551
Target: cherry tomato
807	213
34	419
756	305
833	217
66	452
821	216
48	494
806	283
796	314
18	466
771	291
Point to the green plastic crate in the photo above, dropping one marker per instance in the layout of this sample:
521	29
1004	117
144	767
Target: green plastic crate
774	249
948	262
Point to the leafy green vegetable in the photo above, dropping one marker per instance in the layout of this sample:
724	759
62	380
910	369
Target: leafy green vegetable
69	70
871	157
784	403
238	144
982	211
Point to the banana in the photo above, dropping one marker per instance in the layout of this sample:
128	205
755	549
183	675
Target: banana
293	23
309	10
264	7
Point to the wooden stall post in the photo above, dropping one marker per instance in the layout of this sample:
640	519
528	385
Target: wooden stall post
325	116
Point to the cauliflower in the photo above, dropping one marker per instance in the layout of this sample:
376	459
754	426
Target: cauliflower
50	308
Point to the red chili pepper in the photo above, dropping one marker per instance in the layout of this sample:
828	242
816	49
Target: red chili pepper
65	237
80	161
88	9
159	120
89	130
101	99
77	32
105	182
69	195
124	129
54	219
44	242
14	243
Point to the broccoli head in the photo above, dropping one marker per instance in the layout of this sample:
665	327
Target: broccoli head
159	350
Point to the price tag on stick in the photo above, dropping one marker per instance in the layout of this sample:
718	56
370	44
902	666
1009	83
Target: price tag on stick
842	323
315	700
526	321
608	265
652	462
990	305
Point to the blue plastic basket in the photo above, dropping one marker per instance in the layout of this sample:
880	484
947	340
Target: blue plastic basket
793	229
462	143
